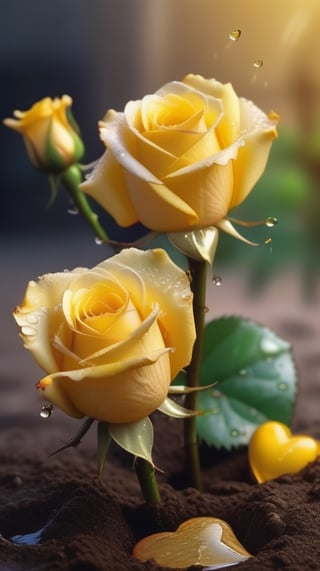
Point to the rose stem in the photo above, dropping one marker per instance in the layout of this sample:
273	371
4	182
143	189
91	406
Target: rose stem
147	481
71	178
198	286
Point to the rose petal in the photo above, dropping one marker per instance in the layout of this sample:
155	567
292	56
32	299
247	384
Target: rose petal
97	391
169	285
259	132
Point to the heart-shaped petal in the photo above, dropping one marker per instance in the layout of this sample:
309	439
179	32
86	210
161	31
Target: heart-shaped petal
273	451
197	541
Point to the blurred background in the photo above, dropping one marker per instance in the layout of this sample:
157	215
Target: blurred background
105	52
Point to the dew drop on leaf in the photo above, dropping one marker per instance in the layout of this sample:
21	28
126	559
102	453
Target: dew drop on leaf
234	432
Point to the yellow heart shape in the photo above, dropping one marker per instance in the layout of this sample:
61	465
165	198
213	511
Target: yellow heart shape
197	541
273	451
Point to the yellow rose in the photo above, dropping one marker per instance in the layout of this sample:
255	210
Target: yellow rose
180	159
111	338
50	134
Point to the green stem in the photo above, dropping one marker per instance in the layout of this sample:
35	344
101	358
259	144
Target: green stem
147	481
198	285
71	178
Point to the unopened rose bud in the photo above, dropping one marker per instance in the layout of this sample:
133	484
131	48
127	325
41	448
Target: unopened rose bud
50	134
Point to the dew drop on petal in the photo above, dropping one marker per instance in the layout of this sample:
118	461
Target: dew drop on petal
271	221
258	63
28	331
33	319
235	35
46	411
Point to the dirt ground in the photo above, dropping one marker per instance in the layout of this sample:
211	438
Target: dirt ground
88	526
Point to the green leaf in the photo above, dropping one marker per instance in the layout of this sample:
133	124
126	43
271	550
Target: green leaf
256	381
135	437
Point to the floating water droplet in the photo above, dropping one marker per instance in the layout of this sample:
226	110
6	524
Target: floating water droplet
46	411
271	221
73	210
234	432
235	35
217	280
98	241
258	63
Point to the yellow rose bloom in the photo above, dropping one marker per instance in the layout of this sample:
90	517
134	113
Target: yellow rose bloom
50	134
182	158
110	338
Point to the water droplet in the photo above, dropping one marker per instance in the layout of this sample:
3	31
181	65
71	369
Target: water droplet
33	319
235	35
268	241
206	309
268	346
258	63
73	210
217	394
282	386
270	222
98	241
46	411
32	283
217	280
243	372
28	331
234	432
215	411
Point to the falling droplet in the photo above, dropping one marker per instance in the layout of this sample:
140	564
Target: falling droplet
46	411
258	63
98	241
217	280
271	221
235	35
